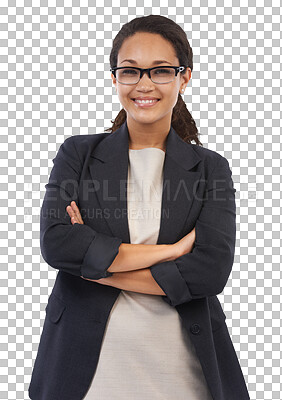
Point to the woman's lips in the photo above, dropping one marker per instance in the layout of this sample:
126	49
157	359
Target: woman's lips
145	104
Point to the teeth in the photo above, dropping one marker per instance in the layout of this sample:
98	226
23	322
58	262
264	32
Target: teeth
146	101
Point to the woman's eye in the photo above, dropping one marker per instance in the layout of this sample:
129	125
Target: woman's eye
129	71
163	71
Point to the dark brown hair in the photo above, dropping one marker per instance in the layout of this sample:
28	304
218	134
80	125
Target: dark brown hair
182	121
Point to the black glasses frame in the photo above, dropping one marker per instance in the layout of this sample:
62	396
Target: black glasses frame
148	70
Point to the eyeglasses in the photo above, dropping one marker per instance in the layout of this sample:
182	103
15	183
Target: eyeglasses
159	75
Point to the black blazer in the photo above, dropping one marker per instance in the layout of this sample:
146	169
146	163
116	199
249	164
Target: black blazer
197	192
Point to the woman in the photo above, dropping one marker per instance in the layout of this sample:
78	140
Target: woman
140	223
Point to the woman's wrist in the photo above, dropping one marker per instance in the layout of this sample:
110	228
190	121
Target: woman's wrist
171	251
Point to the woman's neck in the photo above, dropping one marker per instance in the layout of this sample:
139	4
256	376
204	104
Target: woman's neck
139	138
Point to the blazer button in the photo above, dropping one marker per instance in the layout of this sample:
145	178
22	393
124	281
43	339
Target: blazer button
195	329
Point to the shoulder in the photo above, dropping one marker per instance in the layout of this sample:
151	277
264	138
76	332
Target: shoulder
80	141
211	158
83	144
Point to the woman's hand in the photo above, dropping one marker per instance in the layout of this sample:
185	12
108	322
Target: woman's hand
76	218
185	244
74	213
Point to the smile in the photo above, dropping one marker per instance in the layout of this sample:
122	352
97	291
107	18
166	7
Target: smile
145	103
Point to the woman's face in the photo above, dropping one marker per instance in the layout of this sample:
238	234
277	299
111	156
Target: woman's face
145	48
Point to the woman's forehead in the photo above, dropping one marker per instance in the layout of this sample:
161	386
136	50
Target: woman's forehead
141	48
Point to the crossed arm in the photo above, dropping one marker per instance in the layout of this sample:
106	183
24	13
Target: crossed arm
140	281
131	267
180	273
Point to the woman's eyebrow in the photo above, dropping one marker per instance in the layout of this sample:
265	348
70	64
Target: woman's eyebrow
153	63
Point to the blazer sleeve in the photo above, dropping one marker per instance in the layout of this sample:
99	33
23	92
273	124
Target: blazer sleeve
77	249
205	270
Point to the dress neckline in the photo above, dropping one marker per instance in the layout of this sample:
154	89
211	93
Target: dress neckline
148	148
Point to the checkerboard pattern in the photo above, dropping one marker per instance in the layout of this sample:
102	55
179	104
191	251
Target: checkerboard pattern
55	82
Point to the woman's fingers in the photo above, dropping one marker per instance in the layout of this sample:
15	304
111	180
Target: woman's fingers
74	213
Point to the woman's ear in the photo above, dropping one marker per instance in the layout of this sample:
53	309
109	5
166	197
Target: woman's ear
114	81
187	76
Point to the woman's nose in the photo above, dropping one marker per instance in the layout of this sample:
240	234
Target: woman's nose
145	81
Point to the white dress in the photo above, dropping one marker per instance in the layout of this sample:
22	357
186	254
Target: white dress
146	354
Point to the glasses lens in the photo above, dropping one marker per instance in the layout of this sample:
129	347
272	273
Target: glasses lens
163	75
130	76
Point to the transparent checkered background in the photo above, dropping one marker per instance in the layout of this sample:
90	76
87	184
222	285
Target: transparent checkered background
55	82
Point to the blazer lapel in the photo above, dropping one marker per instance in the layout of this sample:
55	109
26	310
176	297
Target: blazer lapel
109	170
